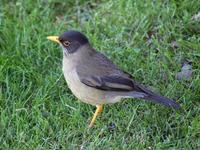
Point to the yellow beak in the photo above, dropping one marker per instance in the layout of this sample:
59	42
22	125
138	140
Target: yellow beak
53	38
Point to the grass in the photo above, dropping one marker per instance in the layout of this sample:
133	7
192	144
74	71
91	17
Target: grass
37	109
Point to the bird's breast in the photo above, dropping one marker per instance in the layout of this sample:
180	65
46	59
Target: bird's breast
82	91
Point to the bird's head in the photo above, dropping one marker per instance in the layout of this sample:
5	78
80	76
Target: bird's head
70	41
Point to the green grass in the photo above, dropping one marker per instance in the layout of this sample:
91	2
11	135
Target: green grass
37	109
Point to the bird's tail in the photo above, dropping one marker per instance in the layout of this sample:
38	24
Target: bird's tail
149	95
162	100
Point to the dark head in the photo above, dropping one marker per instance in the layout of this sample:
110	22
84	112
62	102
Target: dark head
70	41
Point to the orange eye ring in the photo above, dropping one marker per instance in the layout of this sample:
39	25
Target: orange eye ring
66	43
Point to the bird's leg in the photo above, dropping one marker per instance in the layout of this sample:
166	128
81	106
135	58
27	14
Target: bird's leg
98	111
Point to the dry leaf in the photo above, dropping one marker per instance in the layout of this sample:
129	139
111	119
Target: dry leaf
186	71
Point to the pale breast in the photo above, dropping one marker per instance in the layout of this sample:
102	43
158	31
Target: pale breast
81	91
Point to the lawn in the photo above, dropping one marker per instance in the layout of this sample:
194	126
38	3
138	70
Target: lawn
152	40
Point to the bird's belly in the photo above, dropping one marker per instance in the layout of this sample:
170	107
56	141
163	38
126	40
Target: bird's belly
83	92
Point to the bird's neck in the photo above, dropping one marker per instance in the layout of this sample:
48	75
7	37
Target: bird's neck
81	56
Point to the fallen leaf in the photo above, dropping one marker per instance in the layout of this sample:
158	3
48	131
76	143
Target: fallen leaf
186	71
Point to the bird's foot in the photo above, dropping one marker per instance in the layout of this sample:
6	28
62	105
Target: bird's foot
97	112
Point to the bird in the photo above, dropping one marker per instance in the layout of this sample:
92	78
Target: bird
95	79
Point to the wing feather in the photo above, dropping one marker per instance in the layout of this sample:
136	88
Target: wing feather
108	83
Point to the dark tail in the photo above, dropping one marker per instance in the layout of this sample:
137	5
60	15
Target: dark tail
162	100
149	95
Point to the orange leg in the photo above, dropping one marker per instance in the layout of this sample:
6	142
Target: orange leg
98	111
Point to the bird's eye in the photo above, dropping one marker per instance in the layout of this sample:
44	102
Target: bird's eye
66	43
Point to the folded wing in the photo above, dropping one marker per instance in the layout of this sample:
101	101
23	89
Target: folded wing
108	83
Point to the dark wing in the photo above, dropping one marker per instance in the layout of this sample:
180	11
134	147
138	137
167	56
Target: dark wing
103	74
108	83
